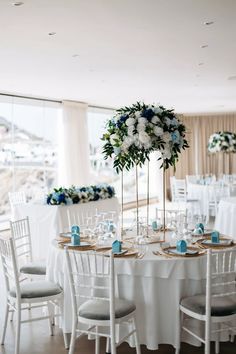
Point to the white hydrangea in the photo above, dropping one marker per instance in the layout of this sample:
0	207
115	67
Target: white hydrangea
140	127
155	120
157	110
114	138
166	137
144	138
142	121
158	131
128	141
131	130
166	154
130	121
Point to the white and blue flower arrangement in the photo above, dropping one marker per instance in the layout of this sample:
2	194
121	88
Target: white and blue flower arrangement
76	195
136	131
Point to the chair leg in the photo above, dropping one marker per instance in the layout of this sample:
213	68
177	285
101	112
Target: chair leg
178	332
73	337
50	318
207	338
5	324
97	343
18	324
136	339
108	346
217	342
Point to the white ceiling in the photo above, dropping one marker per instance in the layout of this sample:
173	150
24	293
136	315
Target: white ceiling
128	50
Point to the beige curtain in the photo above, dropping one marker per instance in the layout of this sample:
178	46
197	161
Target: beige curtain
73	166
196	159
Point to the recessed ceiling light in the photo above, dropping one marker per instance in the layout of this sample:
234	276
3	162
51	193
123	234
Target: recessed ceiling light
231	78
200	64
75	55
51	33
17	3
204	46
208	23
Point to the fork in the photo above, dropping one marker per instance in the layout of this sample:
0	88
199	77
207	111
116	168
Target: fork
140	255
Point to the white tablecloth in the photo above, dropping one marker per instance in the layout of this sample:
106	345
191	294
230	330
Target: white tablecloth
202	193
155	284
47	221
225	221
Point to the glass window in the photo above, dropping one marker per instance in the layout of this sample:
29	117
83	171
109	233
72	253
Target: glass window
28	147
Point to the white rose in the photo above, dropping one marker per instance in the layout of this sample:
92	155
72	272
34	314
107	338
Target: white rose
168	121
157	110
126	143
114	138
130	121
140	128
166	137
158	131
155	119
144	137
142	121
130	130
166	154
137	114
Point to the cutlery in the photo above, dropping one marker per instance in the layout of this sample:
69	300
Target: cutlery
140	255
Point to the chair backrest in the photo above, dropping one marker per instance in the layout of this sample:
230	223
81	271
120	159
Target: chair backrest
17	198
192	178
20	233
179	190
9	265
221	275
172	216
91	276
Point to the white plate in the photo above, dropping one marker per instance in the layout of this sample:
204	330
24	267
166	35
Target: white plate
82	244
221	243
189	252
65	234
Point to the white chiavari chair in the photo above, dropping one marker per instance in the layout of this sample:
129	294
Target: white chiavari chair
92	286
217	306
17	198
20	232
22	294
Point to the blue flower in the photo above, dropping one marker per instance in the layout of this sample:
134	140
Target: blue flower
148	113
175	136
49	199
61	198
121	121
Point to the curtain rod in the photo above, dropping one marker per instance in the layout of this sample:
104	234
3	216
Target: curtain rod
50	100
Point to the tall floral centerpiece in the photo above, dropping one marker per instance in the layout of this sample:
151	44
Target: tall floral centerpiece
224	142
136	131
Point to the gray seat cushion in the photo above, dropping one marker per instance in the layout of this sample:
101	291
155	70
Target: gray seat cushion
36	268
221	306
35	289
99	309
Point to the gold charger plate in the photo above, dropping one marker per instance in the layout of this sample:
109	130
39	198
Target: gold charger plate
89	246
216	245
166	251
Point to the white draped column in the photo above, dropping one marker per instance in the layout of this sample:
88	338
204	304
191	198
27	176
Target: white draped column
73	159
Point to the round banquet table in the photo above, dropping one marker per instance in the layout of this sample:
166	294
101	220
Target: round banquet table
225	221
201	192
155	283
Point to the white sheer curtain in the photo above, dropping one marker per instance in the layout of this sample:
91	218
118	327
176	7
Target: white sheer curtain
73	159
